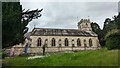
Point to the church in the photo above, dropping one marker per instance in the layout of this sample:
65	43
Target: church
57	40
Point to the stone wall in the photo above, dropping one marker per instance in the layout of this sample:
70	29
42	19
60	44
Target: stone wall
95	40
38	49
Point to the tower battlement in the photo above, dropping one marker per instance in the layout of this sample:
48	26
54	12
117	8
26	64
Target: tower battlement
85	25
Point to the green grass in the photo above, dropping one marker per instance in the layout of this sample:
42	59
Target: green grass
102	57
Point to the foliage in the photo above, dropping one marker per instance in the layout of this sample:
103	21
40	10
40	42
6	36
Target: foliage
95	28
99	32
84	58
111	32
117	20
113	42
111	24
3	55
110	28
14	22
113	39
11	23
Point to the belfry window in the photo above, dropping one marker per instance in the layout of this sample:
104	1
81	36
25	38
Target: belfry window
53	41
90	42
66	42
39	42
78	42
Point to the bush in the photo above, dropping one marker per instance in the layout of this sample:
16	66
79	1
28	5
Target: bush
3	54
112	39
113	42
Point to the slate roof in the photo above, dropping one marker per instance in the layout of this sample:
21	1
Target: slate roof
60	32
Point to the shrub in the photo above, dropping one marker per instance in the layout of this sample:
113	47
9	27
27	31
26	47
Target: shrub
113	39
4	54
113	42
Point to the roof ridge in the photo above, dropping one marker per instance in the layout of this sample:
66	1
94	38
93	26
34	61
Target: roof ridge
56	28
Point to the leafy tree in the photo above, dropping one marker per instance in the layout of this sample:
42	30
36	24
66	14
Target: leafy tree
107	25
95	28
28	16
111	32
98	31
117	21
14	22
11	23
111	24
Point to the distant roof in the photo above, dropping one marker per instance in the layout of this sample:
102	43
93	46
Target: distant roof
60	32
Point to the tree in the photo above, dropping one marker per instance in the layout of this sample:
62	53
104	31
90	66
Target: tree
98	31
95	28
117	21
14	22
28	16
112	32
11	23
106	26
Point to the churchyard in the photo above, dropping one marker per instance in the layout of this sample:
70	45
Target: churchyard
87	45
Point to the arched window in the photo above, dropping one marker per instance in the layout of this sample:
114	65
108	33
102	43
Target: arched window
85	44
66	42
90	42
78	42
39	42
53	41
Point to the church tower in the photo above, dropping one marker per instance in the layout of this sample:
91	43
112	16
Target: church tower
84	25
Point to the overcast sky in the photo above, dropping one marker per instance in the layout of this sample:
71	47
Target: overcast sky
64	14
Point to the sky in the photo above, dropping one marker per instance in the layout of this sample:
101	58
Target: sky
66	14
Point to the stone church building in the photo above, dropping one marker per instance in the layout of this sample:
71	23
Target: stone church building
82	38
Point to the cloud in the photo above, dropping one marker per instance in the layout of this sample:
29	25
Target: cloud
64	14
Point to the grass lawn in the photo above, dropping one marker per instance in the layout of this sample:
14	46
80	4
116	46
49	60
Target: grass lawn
102	57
